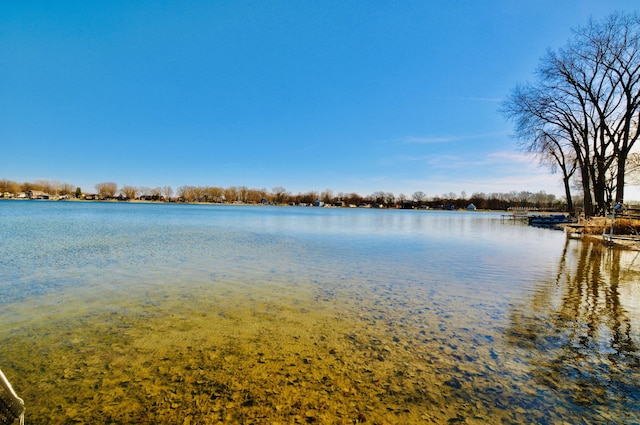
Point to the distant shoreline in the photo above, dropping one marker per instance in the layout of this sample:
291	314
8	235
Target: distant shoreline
248	204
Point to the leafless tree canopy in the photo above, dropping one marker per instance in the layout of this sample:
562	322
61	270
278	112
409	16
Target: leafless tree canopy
107	189
582	112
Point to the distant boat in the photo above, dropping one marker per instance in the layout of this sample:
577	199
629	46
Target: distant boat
549	220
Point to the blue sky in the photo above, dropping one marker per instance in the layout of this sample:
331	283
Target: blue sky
352	96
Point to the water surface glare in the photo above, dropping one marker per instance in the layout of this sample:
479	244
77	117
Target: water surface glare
205	314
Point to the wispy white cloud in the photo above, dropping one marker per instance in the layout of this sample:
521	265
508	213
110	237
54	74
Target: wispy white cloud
451	138
497	171
458	99
427	160
475	99
512	157
430	140
495	160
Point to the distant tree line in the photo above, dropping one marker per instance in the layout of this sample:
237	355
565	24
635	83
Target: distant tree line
581	116
52	187
280	196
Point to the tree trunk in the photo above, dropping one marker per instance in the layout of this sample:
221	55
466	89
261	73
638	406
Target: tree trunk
587	202
567	192
622	162
600	191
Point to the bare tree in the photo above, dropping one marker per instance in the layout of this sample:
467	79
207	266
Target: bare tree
584	109
106	190
199	193
307	198
619	38
546	129
243	194
418	197
255	196
185	193
377	197
9	186
156	193
67	189
192	193
327	196
128	192
167	191
390	198
231	194
353	199
143	191
633	168
279	194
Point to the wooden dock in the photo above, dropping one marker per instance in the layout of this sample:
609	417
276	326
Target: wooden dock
577	231
516	215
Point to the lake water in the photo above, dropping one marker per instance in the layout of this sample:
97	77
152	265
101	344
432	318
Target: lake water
201	314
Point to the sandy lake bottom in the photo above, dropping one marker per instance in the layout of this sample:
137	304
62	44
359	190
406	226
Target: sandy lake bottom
276	354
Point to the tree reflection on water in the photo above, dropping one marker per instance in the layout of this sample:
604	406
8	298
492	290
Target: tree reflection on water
581	330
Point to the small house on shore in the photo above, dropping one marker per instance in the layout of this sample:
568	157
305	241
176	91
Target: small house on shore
37	194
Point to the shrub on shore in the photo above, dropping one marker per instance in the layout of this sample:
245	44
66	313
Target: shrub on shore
621	226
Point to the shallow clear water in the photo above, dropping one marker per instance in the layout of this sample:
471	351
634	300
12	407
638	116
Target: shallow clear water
145	313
